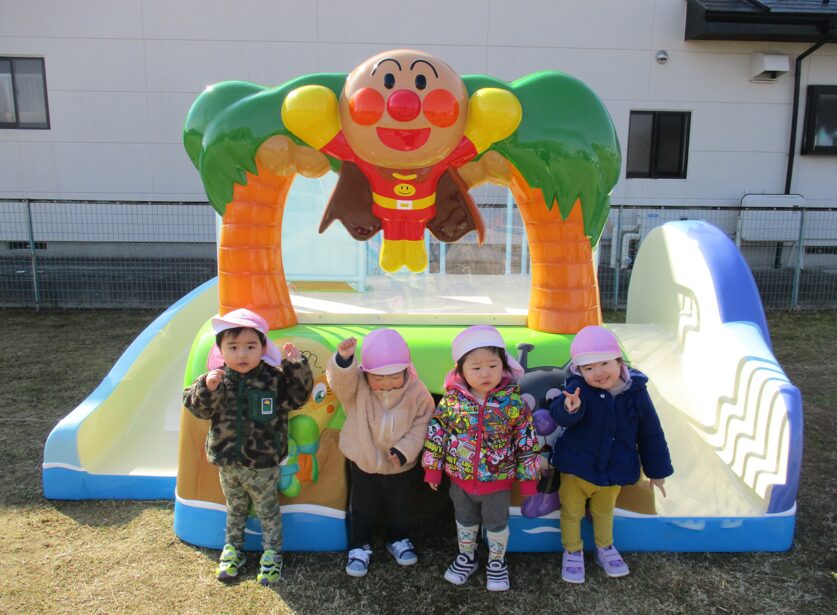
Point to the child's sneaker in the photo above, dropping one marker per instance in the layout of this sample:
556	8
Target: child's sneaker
497	575
613	564
572	566
231	561
359	561
270	567
461	568
403	551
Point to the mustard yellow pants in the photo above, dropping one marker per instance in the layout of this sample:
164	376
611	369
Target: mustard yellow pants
574	493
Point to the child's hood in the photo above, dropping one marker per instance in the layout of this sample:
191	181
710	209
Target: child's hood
395	397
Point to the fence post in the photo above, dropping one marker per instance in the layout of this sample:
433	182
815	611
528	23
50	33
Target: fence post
32	255
361	269
509	228
618	261
800	250
427	252
524	248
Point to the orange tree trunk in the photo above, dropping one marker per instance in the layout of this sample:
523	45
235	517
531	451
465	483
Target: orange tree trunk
250	274
565	291
250	271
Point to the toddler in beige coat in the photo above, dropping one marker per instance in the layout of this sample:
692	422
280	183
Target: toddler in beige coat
387	411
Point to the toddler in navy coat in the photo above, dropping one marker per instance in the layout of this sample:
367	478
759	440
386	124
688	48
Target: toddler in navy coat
612	430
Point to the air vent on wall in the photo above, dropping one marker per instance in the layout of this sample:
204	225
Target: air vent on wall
768	67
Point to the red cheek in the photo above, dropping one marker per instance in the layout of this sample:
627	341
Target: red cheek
440	108
366	106
329	409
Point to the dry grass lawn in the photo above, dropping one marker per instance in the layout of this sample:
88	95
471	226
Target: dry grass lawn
123	557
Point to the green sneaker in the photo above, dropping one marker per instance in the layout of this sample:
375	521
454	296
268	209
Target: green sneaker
270	567
231	561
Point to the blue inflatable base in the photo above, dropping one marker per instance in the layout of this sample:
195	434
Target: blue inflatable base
301	531
67	484
692	534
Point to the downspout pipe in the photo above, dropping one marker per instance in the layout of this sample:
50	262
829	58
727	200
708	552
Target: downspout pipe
797	78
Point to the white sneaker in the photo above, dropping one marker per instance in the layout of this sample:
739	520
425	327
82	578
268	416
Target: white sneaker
613	564
358	564
497	575
461	569
403	551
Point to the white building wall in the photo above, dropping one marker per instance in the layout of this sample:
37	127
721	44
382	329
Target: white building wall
122	74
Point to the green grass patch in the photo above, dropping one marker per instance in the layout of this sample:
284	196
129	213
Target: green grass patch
123	557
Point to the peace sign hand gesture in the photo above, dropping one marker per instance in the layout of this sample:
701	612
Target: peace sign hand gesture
572	401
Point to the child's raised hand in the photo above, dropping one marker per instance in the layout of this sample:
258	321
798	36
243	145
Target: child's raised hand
347	347
291	352
572	401
213	379
658	483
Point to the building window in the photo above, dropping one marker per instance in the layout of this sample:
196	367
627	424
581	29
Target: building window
658	144
820	134
23	100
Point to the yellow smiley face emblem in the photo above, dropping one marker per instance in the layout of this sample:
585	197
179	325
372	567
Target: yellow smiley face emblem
405	189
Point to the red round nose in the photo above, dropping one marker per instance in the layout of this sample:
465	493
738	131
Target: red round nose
403	105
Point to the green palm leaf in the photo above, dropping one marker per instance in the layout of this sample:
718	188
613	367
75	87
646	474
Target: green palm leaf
227	124
566	144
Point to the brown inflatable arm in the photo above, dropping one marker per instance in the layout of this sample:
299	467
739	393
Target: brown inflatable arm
351	203
456	213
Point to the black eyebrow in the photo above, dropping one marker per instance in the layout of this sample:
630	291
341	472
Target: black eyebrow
426	62
387	60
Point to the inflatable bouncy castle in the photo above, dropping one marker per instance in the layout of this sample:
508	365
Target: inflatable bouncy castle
393	151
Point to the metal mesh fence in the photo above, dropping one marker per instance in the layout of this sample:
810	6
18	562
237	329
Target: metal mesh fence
93	254
791	252
89	254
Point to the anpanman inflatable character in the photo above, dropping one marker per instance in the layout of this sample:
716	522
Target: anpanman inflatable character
408	139
405	119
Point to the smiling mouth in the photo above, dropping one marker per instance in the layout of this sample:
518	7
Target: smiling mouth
402	139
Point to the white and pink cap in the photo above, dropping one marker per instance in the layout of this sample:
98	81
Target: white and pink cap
385	352
481	336
243	317
592	345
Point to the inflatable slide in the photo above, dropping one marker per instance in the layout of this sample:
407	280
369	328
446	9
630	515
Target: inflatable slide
694	322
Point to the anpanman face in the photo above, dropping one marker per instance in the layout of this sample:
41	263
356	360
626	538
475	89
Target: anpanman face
403	109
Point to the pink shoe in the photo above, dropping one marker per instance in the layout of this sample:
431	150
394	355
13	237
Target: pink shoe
611	561
572	566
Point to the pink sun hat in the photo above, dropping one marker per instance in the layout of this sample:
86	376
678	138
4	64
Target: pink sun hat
384	352
242	317
480	336
592	345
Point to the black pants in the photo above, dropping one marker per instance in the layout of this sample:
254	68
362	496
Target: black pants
370	493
